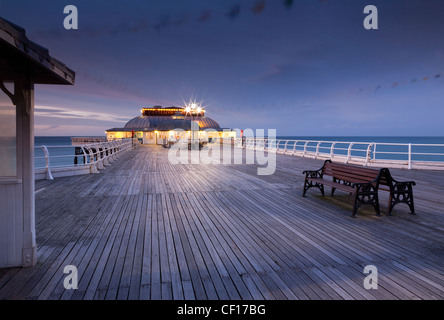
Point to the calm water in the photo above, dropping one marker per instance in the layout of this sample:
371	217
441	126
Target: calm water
56	153
52	141
426	153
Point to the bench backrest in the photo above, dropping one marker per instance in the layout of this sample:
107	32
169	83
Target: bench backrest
354	174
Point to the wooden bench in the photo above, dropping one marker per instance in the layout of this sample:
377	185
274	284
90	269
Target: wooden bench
363	183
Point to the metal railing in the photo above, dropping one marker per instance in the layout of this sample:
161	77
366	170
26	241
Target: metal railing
395	155
68	160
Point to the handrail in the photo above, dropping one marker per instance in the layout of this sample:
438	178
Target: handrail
48	163
96	156
398	155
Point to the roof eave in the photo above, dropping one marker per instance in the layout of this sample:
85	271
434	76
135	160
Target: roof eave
21	55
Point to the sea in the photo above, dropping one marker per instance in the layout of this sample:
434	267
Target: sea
60	150
62	153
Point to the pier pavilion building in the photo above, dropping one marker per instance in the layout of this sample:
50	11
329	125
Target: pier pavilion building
157	125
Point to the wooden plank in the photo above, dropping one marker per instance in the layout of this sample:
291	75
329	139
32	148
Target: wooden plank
136	272
190	250
109	255
147	229
176	285
145	282
95	260
155	271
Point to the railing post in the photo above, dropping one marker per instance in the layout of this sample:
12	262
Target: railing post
48	174
270	145
317	149
369	150
332	149
285	147
349	152
93	163
305	148
118	143
100	159
410	156
109	151
294	147
85	156
116	148
105	154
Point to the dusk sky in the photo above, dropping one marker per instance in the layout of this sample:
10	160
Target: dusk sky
303	67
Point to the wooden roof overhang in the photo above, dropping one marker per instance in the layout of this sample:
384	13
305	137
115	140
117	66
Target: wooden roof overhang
20	56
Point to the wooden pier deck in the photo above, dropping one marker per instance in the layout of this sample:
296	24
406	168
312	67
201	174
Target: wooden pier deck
147	229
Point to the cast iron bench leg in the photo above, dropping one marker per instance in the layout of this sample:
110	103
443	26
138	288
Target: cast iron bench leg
402	193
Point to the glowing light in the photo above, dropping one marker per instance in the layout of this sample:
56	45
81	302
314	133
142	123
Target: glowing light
194	107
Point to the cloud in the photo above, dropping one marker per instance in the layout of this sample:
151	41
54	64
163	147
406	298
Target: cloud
65	113
68	130
272	71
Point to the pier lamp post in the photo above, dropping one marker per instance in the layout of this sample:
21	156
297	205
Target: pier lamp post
192	109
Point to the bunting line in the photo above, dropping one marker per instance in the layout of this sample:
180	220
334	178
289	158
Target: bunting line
398	84
256	7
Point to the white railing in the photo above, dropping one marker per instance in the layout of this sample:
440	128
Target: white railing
69	160
394	155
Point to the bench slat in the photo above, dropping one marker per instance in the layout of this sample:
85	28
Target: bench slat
335	185
355	172
366	173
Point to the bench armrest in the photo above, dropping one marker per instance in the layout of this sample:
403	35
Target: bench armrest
313	173
395	182
402	186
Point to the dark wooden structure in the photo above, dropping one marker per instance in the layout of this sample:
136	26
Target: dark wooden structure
23	64
364	183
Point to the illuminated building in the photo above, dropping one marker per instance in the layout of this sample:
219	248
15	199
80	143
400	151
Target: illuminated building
158	125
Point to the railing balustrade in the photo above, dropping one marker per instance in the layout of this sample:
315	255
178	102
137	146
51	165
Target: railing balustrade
394	155
59	161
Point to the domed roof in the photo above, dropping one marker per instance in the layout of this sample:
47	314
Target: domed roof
185	124
166	123
205	122
138	122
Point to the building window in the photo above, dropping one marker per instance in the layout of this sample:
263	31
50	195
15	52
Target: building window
8	135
